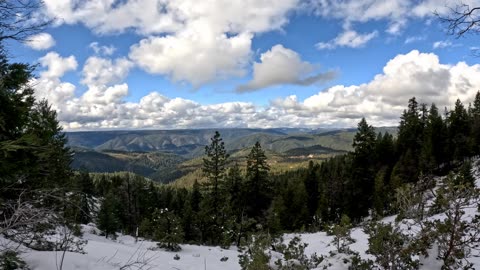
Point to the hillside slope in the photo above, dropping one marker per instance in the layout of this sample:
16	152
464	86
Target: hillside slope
101	253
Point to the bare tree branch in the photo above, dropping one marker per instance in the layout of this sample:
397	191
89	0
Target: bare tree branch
461	19
19	19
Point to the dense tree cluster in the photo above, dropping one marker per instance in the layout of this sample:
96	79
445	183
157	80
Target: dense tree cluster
384	174
242	204
39	193
237	200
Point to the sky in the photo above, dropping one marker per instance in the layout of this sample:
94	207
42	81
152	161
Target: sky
176	64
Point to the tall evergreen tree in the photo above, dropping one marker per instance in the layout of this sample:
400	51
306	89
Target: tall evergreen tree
459	131
360	188
312	189
409	142
85	189
108	220
410	128
476	124
214	168
195	197
257	182
168	230
434	142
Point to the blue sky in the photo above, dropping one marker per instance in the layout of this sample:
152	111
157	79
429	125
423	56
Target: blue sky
267	63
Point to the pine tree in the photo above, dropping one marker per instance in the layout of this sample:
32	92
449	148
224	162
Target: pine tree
465	176
390	246
433	146
168	230
410	137
459	132
214	168
85	189
296	210
364	140
410	129
108	221
384	150
276	215
458	232
195	197
257	183
380	195
360	188
341	233
476	124
312	189
235	189
32	145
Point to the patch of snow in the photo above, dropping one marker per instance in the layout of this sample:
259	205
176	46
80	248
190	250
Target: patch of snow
107	254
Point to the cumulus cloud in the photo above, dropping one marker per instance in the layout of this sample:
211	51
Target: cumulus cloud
41	41
381	100
190	41
105	88
57	65
359	10
102	50
194	57
160	16
280	65
427	8
349	38
396	13
102	71
49	85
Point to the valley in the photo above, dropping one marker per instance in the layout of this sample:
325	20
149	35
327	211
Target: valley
169	155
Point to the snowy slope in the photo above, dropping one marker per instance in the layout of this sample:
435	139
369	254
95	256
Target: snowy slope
107	254
320	243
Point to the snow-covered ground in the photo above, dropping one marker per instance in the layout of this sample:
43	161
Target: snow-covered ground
107	254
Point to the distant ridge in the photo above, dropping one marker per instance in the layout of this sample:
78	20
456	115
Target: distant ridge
160	154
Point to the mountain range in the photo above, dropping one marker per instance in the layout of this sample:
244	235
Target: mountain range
166	155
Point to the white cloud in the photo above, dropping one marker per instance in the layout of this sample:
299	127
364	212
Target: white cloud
196	57
102	71
396	27
396	12
280	65
49	85
170	16
442	44
349	38
413	39
105	95
102	50
360	10
41	41
57	65
427	8
188	40
381	100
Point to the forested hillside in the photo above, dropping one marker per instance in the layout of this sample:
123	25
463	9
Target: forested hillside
406	197
235	201
166	156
